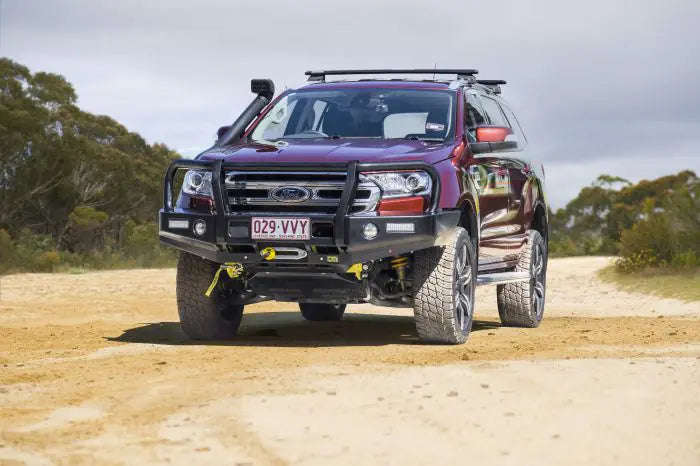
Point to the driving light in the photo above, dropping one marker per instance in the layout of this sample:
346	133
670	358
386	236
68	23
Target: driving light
200	227
400	228
370	231
181	224
197	183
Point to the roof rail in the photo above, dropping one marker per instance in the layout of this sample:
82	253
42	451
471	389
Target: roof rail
493	84
461	73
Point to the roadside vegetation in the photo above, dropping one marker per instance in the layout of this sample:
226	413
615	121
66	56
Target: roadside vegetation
683	284
77	190
651	225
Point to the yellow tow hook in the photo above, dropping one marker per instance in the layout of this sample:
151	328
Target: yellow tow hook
356	269
233	269
268	254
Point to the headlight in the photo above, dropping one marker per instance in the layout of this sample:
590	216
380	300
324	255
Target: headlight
197	183
402	184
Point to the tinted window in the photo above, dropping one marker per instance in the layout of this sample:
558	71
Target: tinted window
493	110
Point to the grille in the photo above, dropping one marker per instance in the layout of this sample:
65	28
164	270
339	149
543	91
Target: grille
252	192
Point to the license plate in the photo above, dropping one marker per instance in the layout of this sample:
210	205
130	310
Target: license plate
280	228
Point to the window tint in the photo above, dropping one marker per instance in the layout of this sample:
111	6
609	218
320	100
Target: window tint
493	110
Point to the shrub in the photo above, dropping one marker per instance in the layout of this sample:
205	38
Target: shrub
665	237
86	230
8	253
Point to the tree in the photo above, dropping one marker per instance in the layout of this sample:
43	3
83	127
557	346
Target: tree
56	159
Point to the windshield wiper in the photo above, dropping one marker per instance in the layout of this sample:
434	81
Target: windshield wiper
423	138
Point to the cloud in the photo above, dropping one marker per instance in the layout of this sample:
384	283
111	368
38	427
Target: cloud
600	86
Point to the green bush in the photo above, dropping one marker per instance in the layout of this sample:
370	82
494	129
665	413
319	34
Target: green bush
664	237
8	253
86	229
32	252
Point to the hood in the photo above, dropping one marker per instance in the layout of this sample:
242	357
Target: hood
333	150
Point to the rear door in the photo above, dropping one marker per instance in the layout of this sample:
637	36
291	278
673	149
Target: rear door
518	168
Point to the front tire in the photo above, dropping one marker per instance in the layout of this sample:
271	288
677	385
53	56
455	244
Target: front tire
522	304
202	318
322	312
445	280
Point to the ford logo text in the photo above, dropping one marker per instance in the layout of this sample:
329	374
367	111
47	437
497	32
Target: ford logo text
290	194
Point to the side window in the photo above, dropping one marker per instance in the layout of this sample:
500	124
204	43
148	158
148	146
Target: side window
473	116
515	125
494	112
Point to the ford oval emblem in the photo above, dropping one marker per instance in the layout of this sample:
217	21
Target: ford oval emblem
290	194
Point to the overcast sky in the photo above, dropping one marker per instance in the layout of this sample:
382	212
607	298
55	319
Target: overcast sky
600	86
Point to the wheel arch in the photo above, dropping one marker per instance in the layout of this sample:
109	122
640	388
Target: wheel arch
540	221
469	220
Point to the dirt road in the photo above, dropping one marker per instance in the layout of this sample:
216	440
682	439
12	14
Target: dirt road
94	368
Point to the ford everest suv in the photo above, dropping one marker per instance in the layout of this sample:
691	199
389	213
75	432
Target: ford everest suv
395	192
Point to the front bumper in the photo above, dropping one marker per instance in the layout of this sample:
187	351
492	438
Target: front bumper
227	236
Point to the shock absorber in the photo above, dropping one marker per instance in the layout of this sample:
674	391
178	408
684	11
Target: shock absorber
399	264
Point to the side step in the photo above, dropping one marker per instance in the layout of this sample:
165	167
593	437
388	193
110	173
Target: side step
501	278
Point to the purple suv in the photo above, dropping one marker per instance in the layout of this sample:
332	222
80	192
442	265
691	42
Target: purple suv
395	192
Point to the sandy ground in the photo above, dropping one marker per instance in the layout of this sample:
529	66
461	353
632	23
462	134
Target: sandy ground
94	368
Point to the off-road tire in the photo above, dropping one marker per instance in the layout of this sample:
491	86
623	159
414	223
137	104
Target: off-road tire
518	303
435	299
322	311
203	318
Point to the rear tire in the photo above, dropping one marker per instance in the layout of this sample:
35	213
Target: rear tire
202	318
322	312
445	279
522	304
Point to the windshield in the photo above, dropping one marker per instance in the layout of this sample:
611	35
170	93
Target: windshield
360	113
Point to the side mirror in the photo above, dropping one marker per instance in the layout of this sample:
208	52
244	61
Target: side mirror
492	133
221	131
492	139
263	87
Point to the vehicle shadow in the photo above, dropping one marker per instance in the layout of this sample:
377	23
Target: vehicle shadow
288	329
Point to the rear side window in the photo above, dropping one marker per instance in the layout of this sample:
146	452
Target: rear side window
500	115
515	125
494	112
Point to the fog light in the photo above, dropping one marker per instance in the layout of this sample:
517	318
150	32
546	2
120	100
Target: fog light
400	228
200	227
370	231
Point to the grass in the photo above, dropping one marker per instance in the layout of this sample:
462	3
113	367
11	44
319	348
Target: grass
667	283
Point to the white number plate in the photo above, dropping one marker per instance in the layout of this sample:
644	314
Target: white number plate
280	228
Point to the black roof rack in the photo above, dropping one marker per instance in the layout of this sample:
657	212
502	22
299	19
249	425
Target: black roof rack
490	82
321	75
